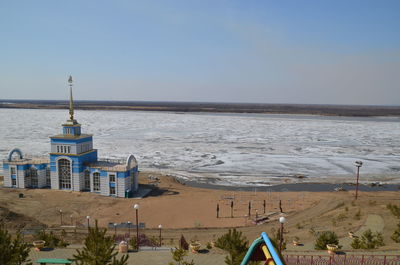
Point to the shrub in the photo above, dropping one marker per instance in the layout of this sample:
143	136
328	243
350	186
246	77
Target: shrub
52	241
394	209
326	237
369	240
396	234
208	246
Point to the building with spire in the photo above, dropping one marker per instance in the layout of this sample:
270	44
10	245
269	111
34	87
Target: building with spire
72	165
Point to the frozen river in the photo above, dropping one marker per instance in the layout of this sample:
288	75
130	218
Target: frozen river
228	149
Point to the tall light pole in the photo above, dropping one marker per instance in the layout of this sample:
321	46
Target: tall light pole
358	164
160	227
88	220
282	220
61	215
129	229
136	207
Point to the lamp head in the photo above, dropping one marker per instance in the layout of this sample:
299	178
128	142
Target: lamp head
282	220
88	217
136	206
160	226
358	163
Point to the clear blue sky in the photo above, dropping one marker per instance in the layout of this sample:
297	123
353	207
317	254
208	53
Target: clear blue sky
327	52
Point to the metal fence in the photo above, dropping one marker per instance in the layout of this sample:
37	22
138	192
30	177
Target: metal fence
342	259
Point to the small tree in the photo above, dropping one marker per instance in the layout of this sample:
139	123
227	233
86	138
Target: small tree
236	244
178	255
13	252
99	250
368	240
326	237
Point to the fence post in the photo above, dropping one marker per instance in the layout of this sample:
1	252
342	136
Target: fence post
297	262
345	259
362	259
384	260
312	260
330	259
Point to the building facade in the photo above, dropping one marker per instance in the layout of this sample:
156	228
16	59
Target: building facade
72	165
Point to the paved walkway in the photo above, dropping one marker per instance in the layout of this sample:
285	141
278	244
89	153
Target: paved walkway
155	257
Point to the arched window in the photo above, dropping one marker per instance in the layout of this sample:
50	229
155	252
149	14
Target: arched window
96	181
87	179
64	173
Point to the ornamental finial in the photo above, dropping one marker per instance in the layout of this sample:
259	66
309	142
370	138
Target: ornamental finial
71	102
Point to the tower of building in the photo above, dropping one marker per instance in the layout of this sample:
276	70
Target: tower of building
70	151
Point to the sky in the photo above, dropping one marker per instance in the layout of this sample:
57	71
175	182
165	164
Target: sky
305	52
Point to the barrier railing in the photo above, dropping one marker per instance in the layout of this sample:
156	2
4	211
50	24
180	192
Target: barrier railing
342	259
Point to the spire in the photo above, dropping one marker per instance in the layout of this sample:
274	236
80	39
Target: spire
71	102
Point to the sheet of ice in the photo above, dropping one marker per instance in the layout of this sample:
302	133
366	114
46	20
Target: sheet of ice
230	149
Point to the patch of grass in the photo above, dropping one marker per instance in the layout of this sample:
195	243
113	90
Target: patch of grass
357	216
341	217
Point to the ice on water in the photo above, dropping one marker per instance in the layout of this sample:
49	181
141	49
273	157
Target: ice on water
230	149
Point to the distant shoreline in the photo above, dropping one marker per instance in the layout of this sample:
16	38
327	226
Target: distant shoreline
307	109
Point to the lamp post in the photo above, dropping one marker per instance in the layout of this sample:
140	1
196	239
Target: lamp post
115	229
358	164
282	220
88	220
61	215
264	204
129	229
136	207
160	227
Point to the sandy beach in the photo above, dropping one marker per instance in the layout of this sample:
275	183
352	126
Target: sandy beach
182	209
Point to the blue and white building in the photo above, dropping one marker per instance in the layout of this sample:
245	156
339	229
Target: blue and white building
72	165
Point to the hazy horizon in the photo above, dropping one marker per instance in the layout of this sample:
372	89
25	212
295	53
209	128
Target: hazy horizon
314	52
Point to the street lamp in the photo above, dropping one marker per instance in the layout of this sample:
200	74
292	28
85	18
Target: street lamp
115	229
88	219
129	229
61	215
282	220
136	207
160	227
358	164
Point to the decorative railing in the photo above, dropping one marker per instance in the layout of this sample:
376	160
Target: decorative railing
111	160
342	259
